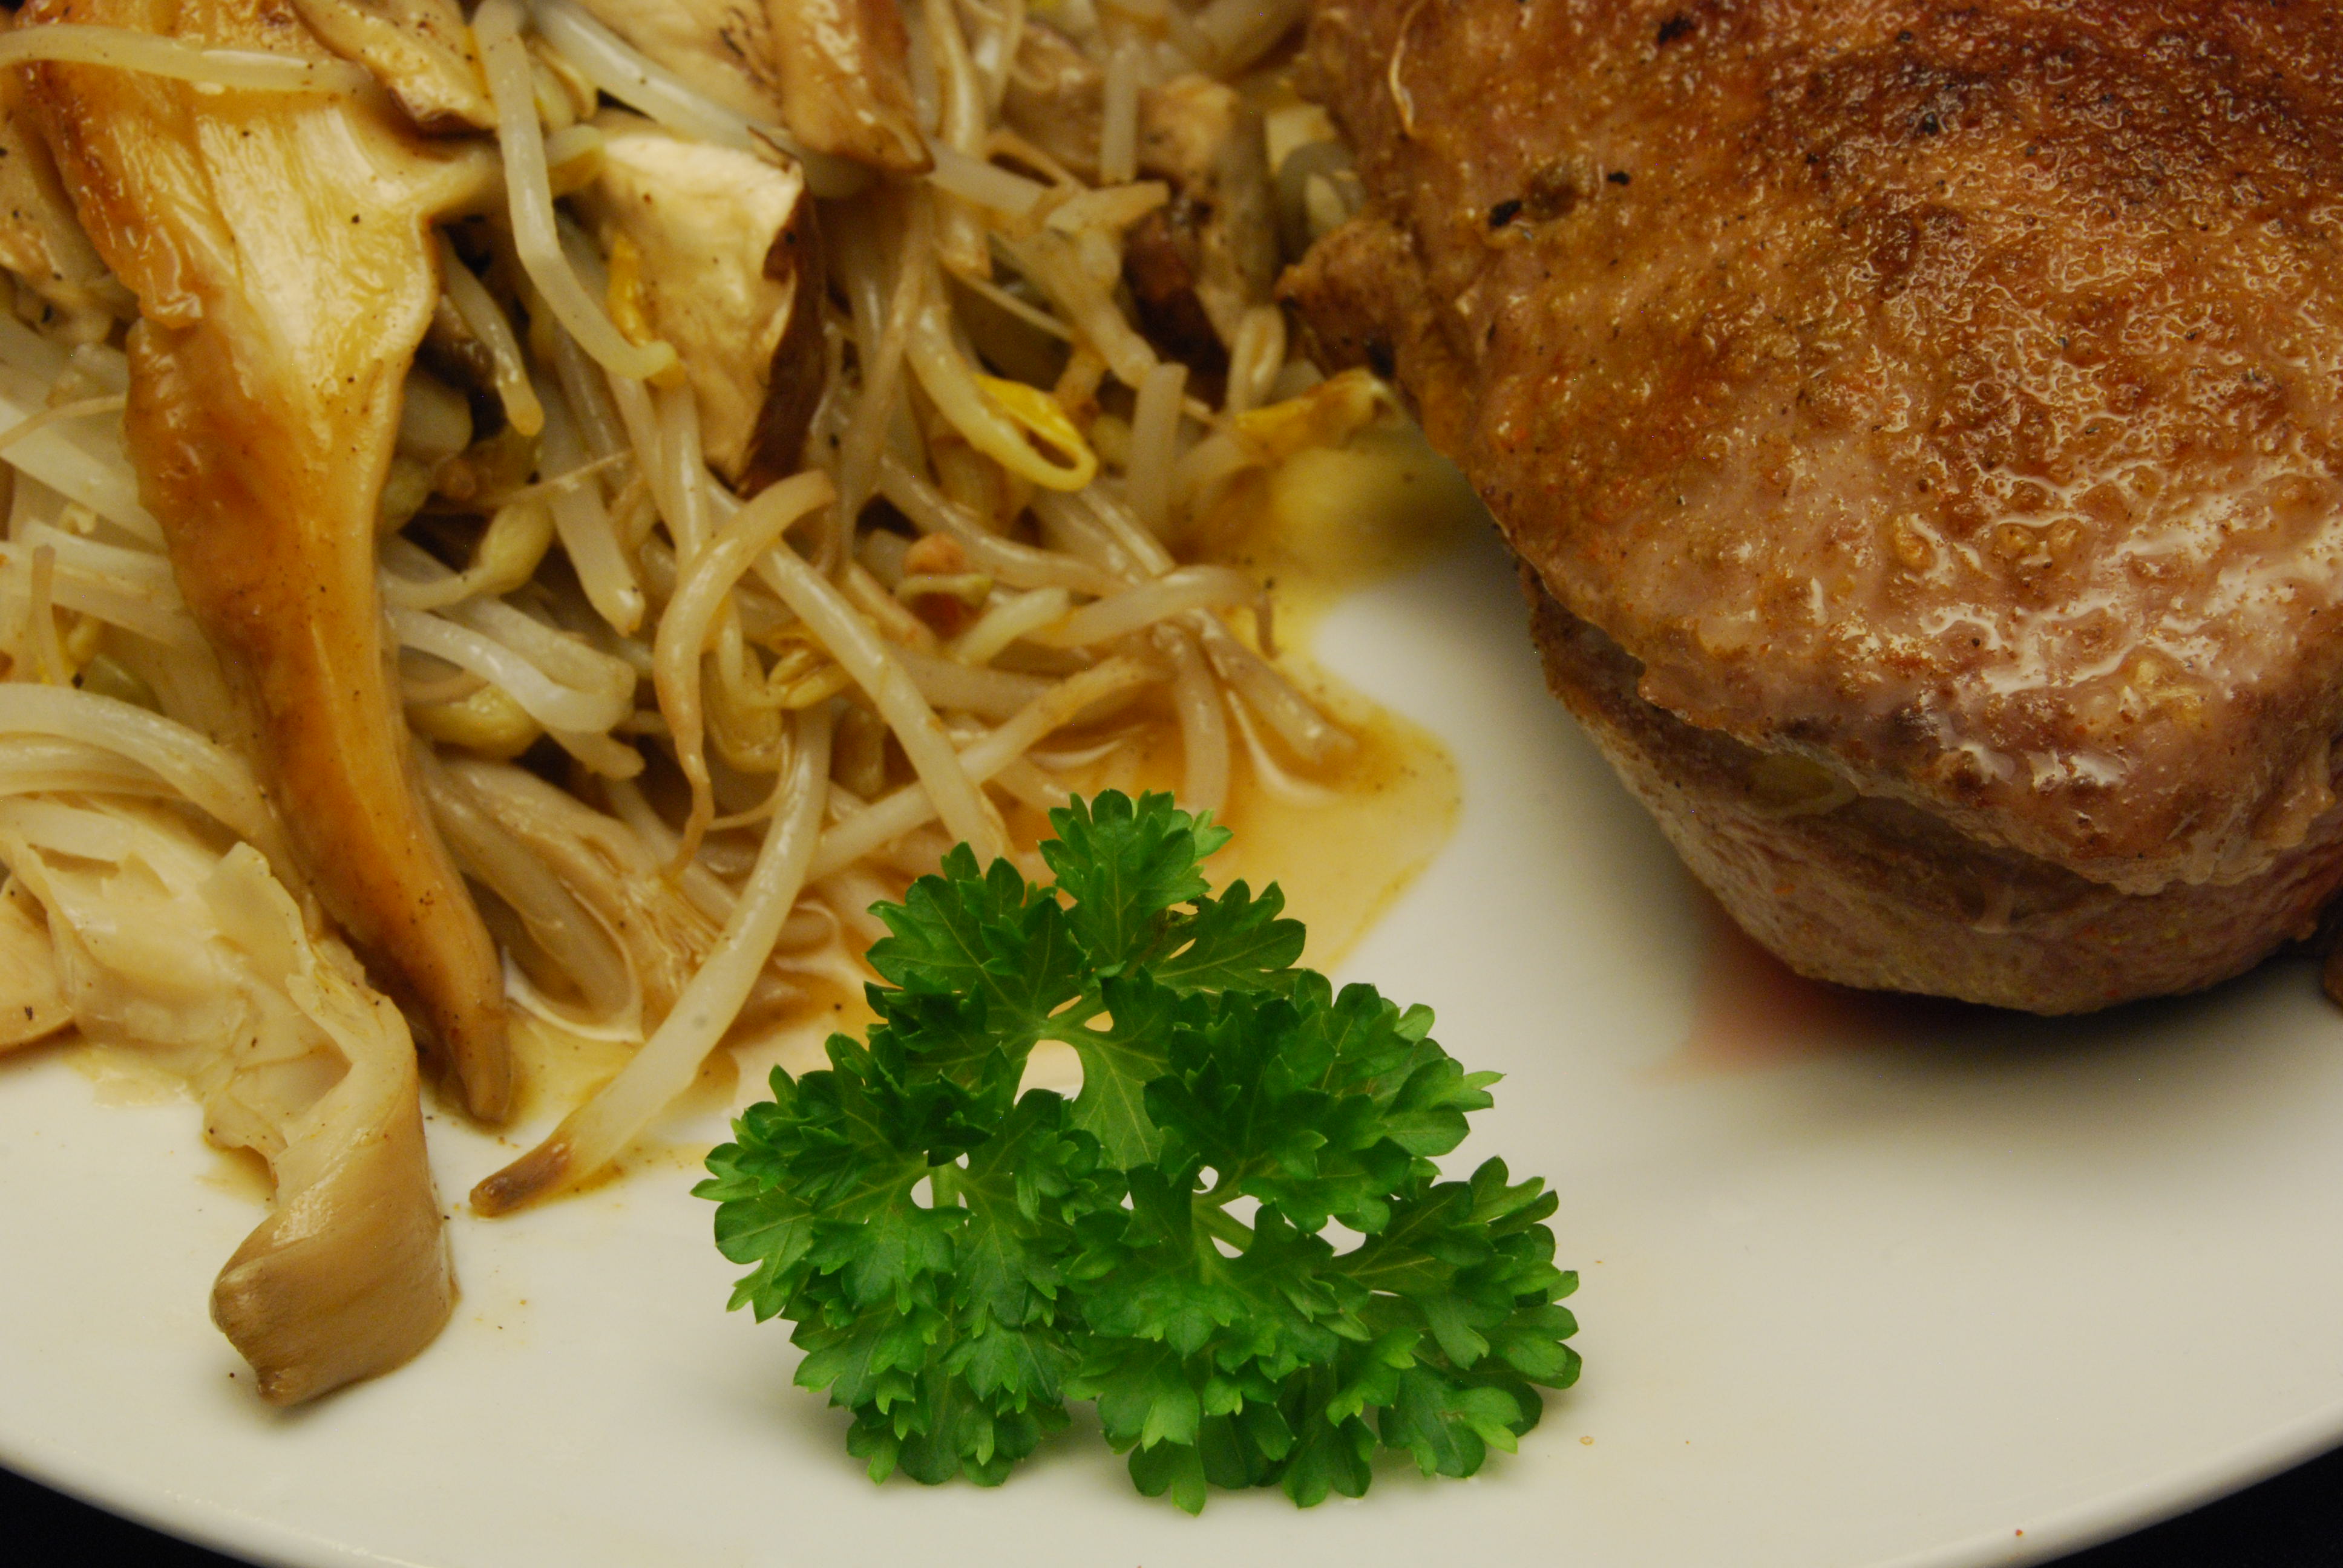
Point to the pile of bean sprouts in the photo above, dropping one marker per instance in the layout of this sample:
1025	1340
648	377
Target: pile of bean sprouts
678	739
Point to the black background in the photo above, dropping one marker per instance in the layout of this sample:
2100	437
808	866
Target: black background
2295	1520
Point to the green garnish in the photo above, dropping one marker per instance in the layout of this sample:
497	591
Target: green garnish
1088	1248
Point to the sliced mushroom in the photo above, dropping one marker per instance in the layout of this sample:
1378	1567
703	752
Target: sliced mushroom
1210	253
453	353
722	49
717	251
837	73
1162	261
40	239
281	250
846	81
1204	138
1056	97
199	962
419	49
664	934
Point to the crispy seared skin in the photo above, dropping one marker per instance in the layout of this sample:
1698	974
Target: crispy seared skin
1867	891
281	252
1945	393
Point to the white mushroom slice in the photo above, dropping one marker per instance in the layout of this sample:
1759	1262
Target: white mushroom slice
834	72
419	49
1056	97
199	960
717	251
722	49
846	81
1216	239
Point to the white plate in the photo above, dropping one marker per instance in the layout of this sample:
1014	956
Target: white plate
1925	1288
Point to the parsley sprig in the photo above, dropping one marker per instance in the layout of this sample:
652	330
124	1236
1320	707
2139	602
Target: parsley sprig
959	1260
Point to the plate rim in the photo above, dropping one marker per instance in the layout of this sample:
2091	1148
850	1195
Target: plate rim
2096	1522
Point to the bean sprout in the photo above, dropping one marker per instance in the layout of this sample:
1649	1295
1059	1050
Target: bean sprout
679	724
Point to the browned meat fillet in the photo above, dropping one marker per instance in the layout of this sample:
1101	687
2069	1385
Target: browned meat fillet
1943	398
1871	890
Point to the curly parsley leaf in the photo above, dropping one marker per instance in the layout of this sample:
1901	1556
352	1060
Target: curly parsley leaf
959	1259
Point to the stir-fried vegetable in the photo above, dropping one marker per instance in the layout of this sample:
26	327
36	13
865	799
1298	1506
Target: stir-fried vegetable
631	490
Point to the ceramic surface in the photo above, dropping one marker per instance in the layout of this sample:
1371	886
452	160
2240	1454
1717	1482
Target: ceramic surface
1863	1285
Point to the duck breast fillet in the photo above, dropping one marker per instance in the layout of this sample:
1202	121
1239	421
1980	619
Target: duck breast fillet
1918	424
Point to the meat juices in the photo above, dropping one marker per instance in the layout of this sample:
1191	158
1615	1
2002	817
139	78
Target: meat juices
1919	423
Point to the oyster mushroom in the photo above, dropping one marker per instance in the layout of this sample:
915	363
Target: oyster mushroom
1198	263
281	251
846	81
1203	137
1056	97
419	49
512	828
198	961
721	49
837	73
721	259
40	241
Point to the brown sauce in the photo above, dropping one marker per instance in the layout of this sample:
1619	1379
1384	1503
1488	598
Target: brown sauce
554	1069
121	1074
1750	1012
1341	857
1324	524
241	1173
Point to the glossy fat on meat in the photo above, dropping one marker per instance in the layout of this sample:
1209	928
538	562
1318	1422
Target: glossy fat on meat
1868	891
1945	393
281	251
